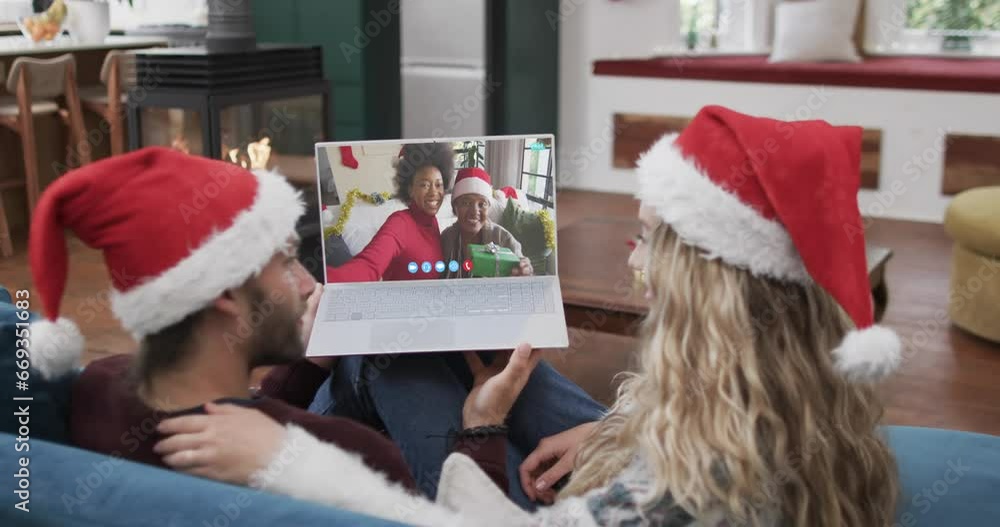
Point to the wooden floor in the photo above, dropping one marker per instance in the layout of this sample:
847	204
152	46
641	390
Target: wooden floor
948	378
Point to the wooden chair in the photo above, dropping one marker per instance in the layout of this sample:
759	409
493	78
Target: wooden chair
38	83
108	99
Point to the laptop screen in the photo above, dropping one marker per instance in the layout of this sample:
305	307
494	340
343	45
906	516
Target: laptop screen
480	207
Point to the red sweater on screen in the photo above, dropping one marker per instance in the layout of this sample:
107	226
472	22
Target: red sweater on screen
409	235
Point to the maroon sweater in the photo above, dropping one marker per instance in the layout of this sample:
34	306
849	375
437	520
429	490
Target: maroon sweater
107	416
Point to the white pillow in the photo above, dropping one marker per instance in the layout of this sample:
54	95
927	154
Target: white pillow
814	31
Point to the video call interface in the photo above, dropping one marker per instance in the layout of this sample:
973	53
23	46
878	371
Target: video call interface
495	209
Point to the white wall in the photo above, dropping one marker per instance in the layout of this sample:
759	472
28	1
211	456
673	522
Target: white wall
913	123
190	12
374	173
592	29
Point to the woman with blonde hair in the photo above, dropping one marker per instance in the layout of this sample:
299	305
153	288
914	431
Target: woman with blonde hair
754	401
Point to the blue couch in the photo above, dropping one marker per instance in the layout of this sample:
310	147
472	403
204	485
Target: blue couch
949	478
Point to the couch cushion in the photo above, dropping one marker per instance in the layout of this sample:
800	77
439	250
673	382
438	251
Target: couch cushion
819	30
49	408
973	220
528	229
337	252
77	488
947	477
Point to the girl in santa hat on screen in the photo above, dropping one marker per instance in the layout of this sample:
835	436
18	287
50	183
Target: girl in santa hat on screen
754	400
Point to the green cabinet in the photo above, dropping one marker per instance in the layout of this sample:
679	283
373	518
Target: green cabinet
361	44
363	71
524	55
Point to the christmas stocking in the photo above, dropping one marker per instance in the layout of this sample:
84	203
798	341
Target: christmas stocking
347	157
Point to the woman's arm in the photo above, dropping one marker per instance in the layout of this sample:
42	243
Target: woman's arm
293	462
307	468
370	264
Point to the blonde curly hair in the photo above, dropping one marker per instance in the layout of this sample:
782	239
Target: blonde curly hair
737	406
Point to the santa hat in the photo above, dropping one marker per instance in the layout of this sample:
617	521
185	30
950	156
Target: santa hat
779	199
176	231
472	181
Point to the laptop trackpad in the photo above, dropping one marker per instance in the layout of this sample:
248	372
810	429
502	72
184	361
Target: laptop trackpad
413	334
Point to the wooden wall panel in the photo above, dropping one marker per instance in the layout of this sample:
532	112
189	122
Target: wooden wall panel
635	133
970	161
871	158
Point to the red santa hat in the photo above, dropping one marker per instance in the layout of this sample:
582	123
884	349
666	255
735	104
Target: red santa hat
779	199
472	181
176	232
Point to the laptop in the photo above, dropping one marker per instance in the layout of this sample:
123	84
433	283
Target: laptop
476	296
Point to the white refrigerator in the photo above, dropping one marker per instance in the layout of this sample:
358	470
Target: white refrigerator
443	68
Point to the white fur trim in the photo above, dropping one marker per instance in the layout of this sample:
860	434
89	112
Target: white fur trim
55	347
706	216
226	260
465	488
309	469
472	185
869	354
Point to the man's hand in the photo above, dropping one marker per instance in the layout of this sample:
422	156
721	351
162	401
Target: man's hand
307	322
308	318
229	444
496	387
552	460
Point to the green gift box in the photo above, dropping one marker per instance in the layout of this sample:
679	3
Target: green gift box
492	260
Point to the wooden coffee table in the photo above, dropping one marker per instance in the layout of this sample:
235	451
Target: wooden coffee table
598	288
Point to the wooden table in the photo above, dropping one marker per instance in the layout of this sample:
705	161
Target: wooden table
598	288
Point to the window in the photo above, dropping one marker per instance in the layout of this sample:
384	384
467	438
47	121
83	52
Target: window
968	17
725	26
700	24
470	154
536	170
931	27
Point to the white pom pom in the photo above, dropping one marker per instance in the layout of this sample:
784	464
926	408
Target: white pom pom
328	218
56	347
869	354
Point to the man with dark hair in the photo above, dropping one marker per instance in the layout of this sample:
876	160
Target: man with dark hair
205	276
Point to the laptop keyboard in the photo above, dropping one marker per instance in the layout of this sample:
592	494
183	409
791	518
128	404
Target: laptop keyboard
450	299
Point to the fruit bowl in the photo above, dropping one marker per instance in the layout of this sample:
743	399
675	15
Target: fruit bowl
39	30
44	27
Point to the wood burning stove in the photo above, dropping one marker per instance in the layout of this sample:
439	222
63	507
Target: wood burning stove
260	106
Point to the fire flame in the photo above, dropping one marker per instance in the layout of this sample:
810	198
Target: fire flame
258	154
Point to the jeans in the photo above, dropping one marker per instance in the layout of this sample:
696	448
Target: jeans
417	399
70	487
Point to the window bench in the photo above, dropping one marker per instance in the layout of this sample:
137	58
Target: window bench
905	73
932	125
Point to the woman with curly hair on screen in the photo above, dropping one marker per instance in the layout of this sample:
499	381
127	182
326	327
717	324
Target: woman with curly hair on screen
754	401
423	173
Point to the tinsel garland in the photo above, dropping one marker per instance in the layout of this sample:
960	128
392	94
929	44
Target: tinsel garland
549	227
375	198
